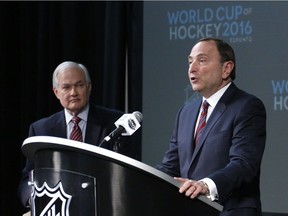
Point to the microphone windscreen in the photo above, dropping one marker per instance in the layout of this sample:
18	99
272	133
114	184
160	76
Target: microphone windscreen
138	115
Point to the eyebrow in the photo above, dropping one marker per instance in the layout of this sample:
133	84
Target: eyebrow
199	55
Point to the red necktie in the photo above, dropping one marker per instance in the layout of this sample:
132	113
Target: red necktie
76	133
202	121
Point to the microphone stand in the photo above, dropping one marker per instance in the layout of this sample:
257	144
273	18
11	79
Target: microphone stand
116	144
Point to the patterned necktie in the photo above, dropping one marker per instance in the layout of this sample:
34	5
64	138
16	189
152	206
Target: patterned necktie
76	133
202	122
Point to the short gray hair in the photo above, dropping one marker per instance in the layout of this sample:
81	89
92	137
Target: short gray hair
69	64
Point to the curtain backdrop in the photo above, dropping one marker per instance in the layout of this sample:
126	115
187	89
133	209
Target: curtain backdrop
35	37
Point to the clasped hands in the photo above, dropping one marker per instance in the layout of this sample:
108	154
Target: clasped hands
192	188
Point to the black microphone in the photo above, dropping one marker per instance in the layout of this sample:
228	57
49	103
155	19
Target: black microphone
126	125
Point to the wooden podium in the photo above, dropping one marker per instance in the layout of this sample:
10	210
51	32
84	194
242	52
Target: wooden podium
71	178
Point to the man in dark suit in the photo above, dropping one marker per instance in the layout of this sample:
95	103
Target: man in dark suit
225	163
72	86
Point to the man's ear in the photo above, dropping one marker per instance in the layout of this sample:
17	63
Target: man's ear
55	90
227	69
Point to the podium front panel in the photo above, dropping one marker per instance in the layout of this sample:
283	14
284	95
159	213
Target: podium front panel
62	192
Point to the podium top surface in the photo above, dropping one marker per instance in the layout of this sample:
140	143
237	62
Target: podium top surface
32	144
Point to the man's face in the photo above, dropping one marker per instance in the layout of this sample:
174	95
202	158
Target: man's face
72	91
206	72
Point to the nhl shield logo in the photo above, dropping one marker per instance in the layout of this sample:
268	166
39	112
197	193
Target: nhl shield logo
50	201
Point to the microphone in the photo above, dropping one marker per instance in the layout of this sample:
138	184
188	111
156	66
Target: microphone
126	125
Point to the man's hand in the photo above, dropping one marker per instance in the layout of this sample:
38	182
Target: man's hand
192	188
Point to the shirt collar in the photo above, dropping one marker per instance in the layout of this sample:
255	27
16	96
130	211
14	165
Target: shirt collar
83	115
213	99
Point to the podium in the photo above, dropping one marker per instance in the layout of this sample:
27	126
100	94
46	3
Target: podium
72	178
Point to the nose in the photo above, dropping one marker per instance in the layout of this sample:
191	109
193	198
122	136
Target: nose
74	90
192	67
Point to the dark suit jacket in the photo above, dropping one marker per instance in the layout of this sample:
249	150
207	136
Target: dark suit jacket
100	123
230	149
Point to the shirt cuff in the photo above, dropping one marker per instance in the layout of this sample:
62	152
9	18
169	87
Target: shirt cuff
212	188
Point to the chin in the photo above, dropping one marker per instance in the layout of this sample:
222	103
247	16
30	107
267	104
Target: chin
194	88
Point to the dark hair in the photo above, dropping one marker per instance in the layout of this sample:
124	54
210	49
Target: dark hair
226	53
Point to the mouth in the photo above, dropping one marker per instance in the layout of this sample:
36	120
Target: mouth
193	79
74	100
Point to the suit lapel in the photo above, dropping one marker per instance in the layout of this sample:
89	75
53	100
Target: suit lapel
92	129
59	125
190	128
217	112
215	115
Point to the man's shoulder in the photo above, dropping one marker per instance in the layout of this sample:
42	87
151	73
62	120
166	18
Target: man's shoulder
102	115
101	110
52	118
